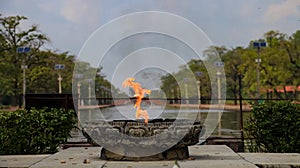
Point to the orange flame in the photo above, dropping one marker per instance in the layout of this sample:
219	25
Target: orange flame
139	93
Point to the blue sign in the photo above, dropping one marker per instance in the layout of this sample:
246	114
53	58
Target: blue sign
256	44
198	73
23	49
185	79
263	44
78	76
26	49
20	50
259	44
59	66
219	64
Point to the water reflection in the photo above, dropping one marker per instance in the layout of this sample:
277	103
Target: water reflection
229	125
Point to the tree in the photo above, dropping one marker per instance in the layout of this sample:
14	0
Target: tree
12	37
282	68
43	78
234	72
279	67
292	48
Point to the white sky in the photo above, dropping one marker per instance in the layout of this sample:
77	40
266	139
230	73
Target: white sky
231	23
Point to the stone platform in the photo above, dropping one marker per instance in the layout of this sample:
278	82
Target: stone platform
200	156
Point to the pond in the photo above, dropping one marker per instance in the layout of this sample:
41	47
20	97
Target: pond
229	125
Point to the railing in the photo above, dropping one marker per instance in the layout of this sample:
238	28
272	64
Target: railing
236	105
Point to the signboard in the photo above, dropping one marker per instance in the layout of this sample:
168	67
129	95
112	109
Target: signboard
259	44
78	76
59	66
23	49
219	64
198	73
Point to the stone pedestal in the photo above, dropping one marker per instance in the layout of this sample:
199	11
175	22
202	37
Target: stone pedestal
135	140
170	154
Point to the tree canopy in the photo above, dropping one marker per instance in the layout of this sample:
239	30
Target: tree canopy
41	76
279	68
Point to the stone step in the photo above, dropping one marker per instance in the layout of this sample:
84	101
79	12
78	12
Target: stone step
200	156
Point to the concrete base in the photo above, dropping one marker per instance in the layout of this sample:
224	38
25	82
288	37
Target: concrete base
237	145
200	156
207	156
20	160
270	160
171	154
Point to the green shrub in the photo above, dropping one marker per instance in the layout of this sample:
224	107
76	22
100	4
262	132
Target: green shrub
275	127
34	131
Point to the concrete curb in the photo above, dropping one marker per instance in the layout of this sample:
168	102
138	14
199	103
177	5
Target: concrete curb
201	156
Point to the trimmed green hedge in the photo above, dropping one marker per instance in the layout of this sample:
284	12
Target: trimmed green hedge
275	127
35	131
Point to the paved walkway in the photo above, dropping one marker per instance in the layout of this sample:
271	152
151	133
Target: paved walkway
212	156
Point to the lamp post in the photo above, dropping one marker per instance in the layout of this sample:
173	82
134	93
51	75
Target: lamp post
59	67
78	77
258	45
173	96
199	92
218	74
219	86
219	101
178	96
59	83
90	90
186	90
24	67
198	73
105	94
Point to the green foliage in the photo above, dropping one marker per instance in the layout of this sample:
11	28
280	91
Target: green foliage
275	127
13	36
34	131
279	67
41	77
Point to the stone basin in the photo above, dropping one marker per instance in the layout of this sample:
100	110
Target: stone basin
160	139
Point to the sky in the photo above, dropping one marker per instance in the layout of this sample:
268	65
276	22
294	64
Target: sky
229	23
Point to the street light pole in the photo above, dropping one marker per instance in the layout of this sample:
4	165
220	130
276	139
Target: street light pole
78	77
219	64
59	83
173	96
90	90
258	45
199	92
198	73
59	67
178	96
78	92
186	93
24	82
186	90
24	67
258	61
219	86
219	101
